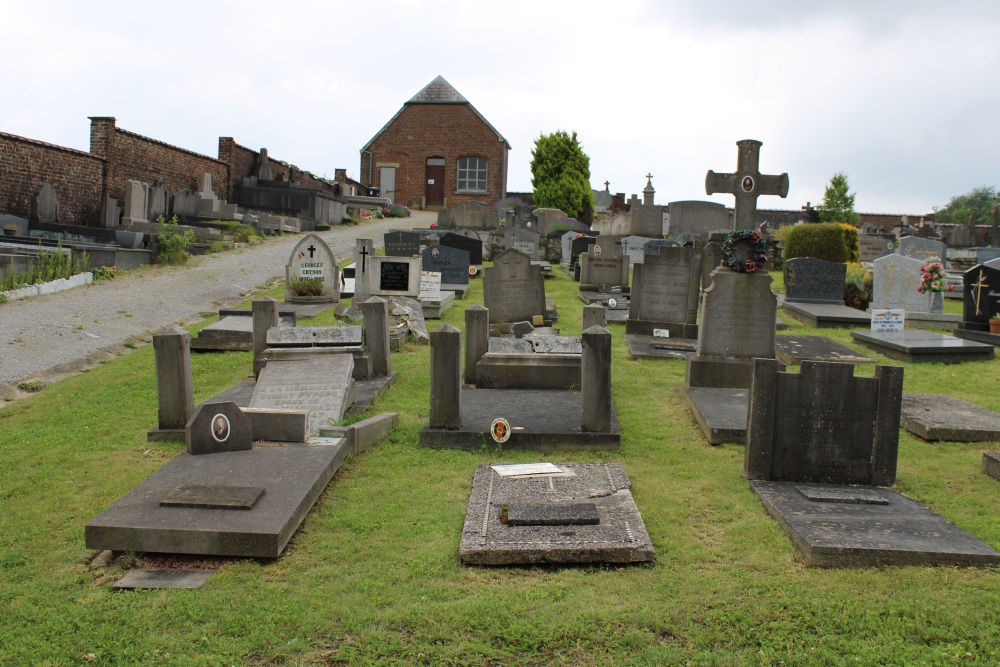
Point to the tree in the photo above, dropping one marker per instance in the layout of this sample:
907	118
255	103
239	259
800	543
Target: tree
978	202
838	203
560	175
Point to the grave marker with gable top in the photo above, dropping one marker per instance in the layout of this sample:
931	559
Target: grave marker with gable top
523	240
566	241
218	427
513	289
312	259
402	244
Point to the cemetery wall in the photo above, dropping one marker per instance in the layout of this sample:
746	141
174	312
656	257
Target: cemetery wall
75	176
451	131
242	162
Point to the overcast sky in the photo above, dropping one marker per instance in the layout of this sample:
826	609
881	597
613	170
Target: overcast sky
902	96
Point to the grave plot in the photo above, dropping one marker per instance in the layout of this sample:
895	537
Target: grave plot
514	291
545	513
234	330
793	350
534	361
603	271
453	264
895	281
821	447
939	417
916	346
814	294
980	303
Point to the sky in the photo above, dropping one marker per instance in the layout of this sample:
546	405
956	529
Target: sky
900	95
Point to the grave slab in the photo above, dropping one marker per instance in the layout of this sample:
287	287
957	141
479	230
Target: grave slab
232	332
794	350
899	531
543	420
652	347
826	314
940	417
322	384
991	464
313	336
619	536
552	514
924	346
292	476
163	578
978	336
721	413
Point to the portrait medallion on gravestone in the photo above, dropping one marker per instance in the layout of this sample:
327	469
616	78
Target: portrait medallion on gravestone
218	427
402	244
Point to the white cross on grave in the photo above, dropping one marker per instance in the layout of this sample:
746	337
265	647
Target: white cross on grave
747	183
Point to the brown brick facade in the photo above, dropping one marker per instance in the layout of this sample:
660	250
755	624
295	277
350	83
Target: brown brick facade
449	131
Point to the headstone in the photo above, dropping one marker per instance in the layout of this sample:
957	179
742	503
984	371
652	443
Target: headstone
473	246
265	317
873	246
578	246
895	279
394	276
322	383
477	339
473	215
45	205
174	387
513	289
665	293
595	380
446	378
604	264
376	334
184	204
984	255
208	202
981	295
217	428
110	213
136	194
811	280
698	217
402	244
593	316
312	260
747	183
919	248
523	240
452	263
546	217
635	248
158	200
566	241
364	253
264	172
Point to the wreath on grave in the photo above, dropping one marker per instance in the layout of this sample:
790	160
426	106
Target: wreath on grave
759	250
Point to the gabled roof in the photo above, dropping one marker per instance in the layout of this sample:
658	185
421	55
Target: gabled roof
437	91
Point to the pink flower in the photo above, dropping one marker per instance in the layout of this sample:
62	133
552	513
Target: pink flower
951	288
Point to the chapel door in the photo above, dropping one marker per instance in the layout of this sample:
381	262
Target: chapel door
387	183
435	181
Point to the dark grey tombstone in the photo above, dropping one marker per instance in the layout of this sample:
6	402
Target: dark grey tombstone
446	378
265	317
376	334
473	246
811	280
477	339
513	289
665	291
579	245
452	263
174	387
595	380
44	205
402	244
217	428
874	246
823	424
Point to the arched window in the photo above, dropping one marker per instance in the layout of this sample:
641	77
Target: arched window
472	174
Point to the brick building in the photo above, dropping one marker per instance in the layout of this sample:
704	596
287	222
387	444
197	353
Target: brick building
437	151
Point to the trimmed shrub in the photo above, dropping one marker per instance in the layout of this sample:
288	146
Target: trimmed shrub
857	287
822	241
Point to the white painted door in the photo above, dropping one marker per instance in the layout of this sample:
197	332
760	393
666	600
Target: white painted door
387	182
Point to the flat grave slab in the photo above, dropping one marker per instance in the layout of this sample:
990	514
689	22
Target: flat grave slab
826	314
163	578
434	305
542	420
292	476
231	332
793	350
940	417
721	413
893	530
322	384
916	345
978	336
579	490
991	464
650	347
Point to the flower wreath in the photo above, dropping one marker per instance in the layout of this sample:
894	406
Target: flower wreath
759	250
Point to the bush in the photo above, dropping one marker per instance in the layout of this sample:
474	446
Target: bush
217	246
240	232
851	240
173	242
395	211
104	272
306	287
822	241
857	287
563	225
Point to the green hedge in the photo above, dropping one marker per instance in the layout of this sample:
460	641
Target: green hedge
832	241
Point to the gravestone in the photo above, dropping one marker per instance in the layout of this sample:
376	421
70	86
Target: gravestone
984	255
135	202
218	427
981	296
394	276
208	203
402	244
523	240
917	346
471	244
746	184
322	383
158	200
473	215
45	205
665	292
895	279
184	204
698	217
920	248
635	247
364	254
604	265
264	172
578	246
873	246
568	513
811	280
566	241
312	260
110	213
452	263
174	388
513	289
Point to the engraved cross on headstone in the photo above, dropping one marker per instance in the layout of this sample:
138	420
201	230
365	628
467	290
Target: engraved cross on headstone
510	265
364	258
312	251
747	183
977	292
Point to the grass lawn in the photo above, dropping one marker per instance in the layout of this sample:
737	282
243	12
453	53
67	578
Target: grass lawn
373	577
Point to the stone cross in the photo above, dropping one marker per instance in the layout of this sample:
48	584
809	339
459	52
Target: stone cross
747	183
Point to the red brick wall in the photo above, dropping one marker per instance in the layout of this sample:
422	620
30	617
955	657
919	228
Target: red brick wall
451	131
74	175
243	162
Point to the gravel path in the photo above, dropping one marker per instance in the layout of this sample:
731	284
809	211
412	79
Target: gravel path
49	336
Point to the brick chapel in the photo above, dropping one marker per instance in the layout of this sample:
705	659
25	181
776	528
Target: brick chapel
436	152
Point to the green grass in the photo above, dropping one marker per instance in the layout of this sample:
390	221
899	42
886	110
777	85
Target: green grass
373	577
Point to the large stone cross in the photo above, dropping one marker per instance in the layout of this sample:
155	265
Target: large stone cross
747	183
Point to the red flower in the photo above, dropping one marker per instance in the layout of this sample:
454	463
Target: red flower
749	266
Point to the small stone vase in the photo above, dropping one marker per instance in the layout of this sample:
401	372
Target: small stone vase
937	303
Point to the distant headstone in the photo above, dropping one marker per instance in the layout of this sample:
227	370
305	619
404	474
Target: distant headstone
394	276
158	200
919	248
136	194
44	205
451	263
110	213
364	254
217	428
473	215
566	241
984	255
546	217
811	280
208	202
402	244
604	264
264	172
184	204
513	289
312	259
981	295
698	217
635	248
578	246
665	292
873	246
895	279
523	240
473	246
